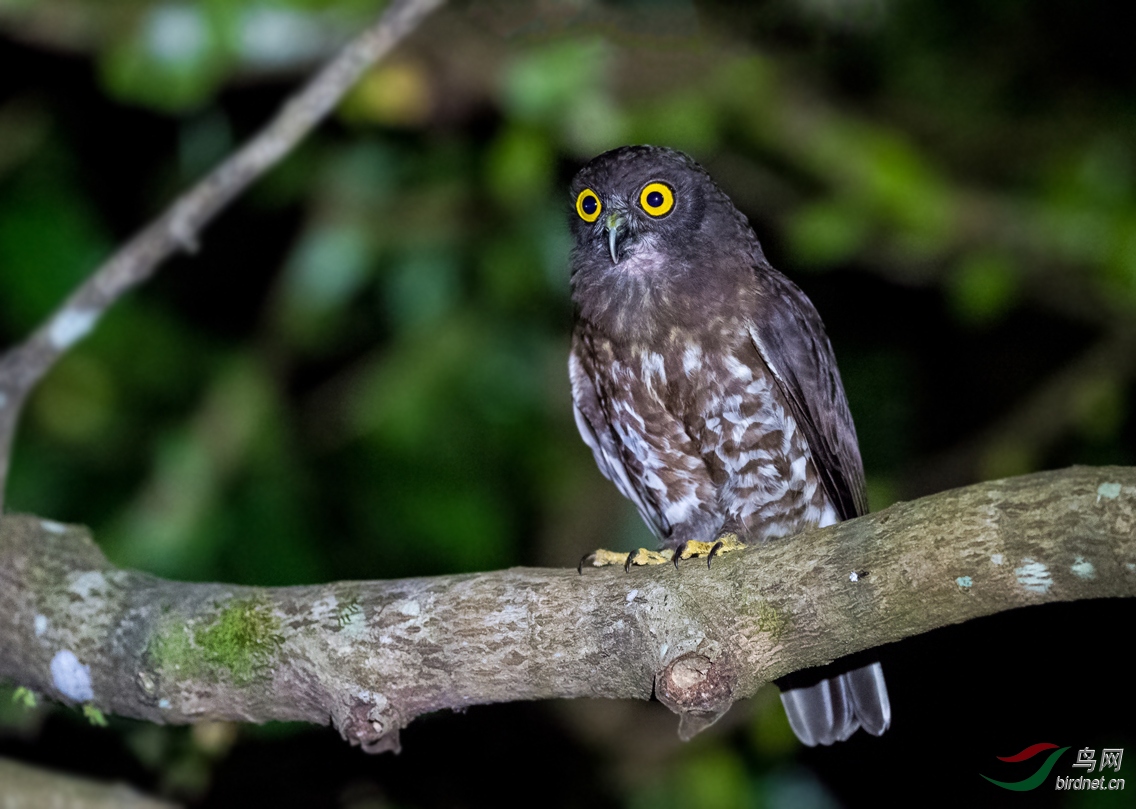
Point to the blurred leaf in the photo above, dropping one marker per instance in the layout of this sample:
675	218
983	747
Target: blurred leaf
1007	459
270	35
203	142
395	93
421	288
711	778
94	716
174	60
1100	409
326	269
509	270
770	733
519	167
983	287
826	233
23	127
173	526
564	87
878	168
49	234
689	121
76	402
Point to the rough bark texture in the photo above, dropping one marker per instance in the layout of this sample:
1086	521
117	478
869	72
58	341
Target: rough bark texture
371	656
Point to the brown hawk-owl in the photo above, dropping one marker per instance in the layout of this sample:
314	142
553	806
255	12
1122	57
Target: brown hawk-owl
706	387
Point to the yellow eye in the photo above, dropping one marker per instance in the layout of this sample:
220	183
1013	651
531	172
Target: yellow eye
588	205
657	199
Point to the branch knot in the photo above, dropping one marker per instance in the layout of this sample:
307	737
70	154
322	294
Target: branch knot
698	689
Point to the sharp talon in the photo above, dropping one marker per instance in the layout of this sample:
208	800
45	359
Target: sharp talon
678	554
587	558
627	564
710	556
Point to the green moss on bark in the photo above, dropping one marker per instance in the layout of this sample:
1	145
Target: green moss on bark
239	643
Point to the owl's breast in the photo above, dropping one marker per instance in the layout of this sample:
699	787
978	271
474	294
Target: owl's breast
753	448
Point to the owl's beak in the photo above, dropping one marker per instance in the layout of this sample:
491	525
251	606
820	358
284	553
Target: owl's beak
616	229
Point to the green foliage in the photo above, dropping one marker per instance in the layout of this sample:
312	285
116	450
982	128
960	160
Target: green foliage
983	287
94	716
49	238
24	698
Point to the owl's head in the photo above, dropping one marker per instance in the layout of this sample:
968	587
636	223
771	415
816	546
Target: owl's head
652	231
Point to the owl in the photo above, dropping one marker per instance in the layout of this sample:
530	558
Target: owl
706	387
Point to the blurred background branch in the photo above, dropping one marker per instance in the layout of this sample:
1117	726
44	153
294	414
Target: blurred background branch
25	786
179	226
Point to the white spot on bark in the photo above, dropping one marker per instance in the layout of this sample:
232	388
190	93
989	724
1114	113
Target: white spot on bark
355	625
1131	566
1034	576
92	581
1083	569
631	596
164	704
964	582
52	527
70	326
996	558
411	609
40	625
146	682
72	679
853	576
1110	491
324	608
379	701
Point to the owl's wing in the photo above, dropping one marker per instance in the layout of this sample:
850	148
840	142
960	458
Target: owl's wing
598	435
789	335
828	703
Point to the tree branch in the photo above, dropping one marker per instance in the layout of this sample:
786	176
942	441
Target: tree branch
372	656
179	226
24	785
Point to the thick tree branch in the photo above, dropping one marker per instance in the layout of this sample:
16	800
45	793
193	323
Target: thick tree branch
179	226
27	786
371	656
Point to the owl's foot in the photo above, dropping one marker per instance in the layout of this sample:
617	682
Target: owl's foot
725	543
603	558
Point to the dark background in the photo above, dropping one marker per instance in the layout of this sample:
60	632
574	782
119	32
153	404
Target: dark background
362	372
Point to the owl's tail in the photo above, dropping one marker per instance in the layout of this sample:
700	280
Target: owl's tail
830	710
